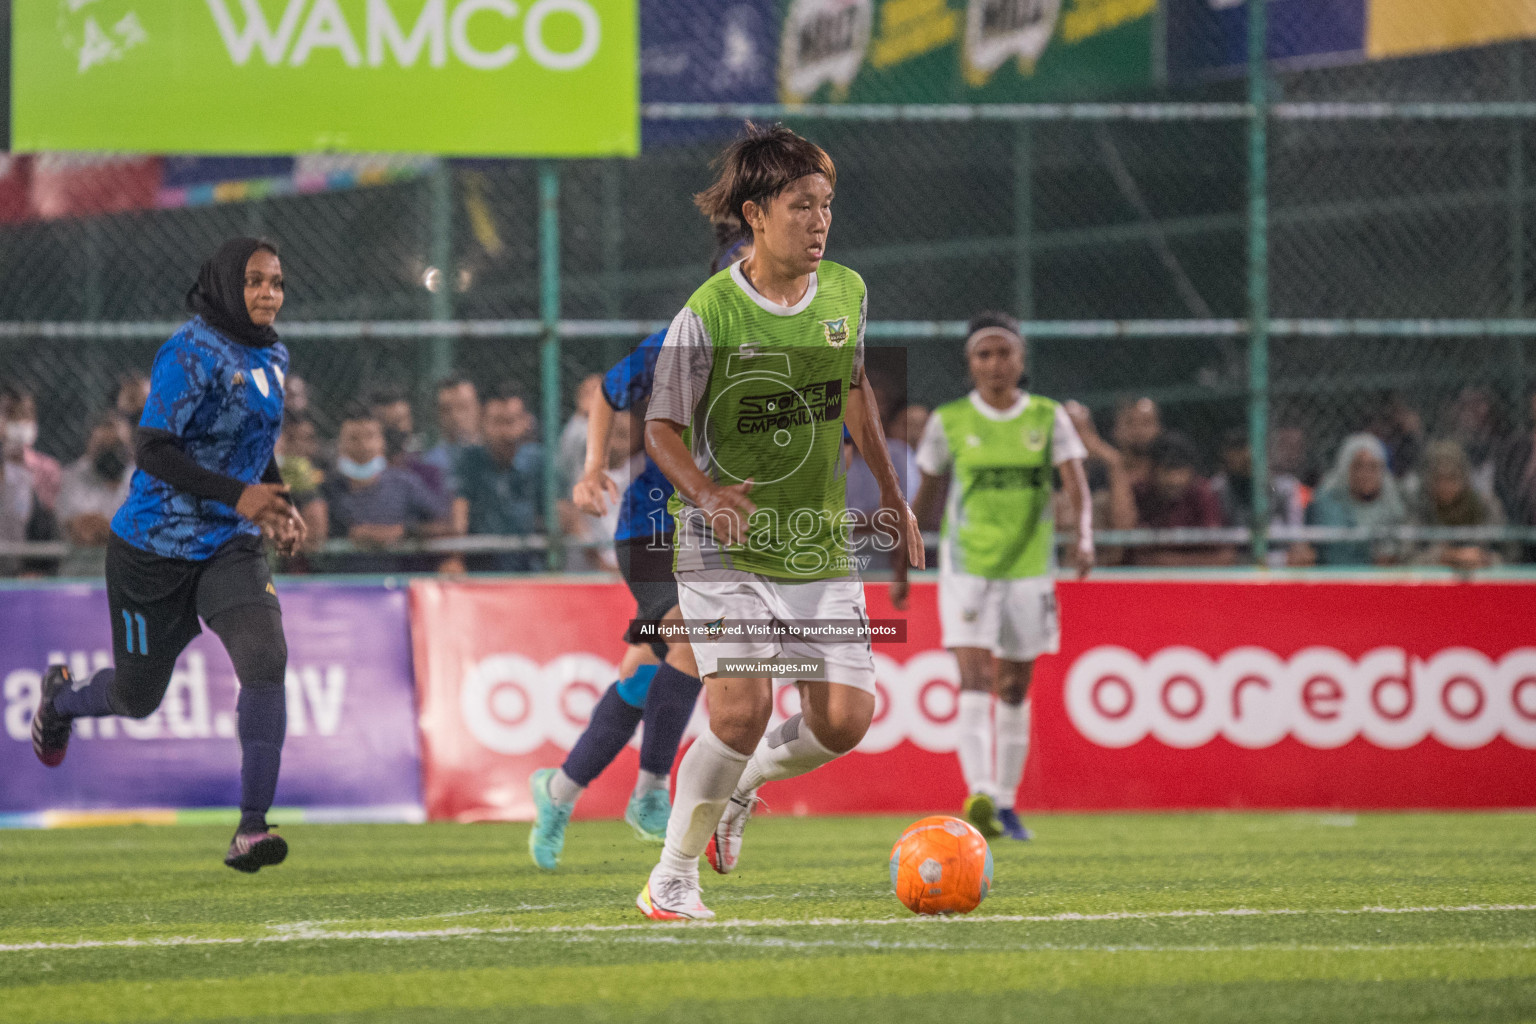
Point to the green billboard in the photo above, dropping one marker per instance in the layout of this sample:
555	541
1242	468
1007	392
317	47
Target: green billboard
453	77
964	51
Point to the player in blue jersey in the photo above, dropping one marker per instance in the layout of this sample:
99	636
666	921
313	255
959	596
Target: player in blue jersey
187	544
659	682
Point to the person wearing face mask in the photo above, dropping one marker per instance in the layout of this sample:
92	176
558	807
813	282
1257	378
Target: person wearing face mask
187	543
375	505
21	435
94	487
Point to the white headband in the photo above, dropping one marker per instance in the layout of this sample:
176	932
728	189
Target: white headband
983	333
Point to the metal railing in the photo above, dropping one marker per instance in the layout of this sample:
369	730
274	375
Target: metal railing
1133	538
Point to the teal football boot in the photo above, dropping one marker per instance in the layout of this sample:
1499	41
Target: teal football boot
648	815
547	837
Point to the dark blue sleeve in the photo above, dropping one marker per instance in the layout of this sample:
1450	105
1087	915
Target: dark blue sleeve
179	382
629	382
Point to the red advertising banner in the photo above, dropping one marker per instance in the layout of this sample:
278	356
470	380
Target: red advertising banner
508	672
15	188
1165	695
507	676
1359	695
82	184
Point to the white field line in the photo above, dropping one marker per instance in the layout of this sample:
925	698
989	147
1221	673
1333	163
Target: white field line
776	942
308	931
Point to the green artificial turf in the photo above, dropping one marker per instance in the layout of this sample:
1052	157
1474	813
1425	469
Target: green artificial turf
1370	918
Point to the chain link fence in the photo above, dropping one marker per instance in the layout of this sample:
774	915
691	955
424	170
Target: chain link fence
1399	244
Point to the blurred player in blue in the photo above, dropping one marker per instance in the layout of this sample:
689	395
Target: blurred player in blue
187	544
659	682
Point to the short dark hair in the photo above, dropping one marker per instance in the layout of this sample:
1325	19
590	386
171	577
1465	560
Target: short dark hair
992	318
453	382
757	167
506	391
15	394
356	412
387	394
1172	450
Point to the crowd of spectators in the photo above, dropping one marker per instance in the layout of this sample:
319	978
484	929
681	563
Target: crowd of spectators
374	483
1471	471
373	480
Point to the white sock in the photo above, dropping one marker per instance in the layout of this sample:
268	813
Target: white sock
705	781
562	790
787	751
649	782
1012	750
974	741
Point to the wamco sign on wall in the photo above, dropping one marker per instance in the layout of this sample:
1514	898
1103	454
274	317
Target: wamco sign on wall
493	77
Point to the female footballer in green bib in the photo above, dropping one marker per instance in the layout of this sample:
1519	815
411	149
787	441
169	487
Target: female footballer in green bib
997	593
754	384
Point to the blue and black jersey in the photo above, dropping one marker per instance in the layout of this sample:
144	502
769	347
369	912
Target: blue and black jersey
224	401
643	506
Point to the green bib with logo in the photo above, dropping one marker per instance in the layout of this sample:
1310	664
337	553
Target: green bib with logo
773	414
997	520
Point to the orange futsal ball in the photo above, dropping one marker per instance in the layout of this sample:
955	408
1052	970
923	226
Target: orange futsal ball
941	865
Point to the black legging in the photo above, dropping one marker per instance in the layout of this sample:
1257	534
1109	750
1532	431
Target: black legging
251	633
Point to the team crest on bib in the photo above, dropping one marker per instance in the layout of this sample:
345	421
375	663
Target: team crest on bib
1034	440
836	331
260	377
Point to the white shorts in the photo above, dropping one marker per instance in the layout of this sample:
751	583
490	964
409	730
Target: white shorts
1014	619
743	597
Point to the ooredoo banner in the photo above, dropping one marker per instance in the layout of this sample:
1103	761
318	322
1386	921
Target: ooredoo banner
1164	695
452	77
351	743
1296	694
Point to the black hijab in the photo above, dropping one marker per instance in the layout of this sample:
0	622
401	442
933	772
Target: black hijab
219	294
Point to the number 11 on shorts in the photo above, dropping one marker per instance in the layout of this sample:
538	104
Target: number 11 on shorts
128	620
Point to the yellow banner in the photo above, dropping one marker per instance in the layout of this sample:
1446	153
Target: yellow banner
1399	28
